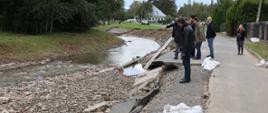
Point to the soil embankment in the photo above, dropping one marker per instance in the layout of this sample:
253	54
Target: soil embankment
25	48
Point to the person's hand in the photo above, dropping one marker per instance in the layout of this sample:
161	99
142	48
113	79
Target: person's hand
182	55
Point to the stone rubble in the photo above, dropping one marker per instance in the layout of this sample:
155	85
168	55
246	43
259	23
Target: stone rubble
66	93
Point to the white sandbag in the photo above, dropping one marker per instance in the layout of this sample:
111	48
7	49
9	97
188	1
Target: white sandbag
254	39
266	65
182	108
210	64
261	63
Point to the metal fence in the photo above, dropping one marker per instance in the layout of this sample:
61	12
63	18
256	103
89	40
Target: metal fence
259	30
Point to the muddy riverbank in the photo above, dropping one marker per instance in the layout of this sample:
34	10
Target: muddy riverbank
81	86
65	86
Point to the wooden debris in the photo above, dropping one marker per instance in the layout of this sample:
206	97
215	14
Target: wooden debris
99	105
158	52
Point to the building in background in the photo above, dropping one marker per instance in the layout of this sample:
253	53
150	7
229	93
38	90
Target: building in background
157	15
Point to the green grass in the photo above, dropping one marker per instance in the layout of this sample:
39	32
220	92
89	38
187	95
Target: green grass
130	26
21	47
260	48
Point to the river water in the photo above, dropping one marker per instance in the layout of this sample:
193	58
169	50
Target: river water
133	47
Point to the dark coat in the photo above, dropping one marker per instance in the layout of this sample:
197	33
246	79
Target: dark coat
211	30
188	40
173	25
240	35
178	36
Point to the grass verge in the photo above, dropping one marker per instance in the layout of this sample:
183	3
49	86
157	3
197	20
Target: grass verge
19	47
260	48
129	26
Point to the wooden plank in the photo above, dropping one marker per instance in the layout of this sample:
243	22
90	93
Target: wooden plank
168	58
150	76
99	105
129	63
158	52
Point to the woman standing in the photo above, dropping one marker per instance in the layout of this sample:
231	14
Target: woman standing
199	38
240	38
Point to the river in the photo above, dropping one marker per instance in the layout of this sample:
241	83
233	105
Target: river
133	47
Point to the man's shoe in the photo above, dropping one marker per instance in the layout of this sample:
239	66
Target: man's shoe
185	81
212	56
176	58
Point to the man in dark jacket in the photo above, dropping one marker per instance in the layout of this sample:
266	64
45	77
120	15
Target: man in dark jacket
176	34
211	34
187	49
173	25
193	24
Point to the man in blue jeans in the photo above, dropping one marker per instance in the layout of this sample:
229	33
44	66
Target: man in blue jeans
211	34
187	48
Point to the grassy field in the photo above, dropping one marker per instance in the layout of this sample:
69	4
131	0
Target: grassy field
260	48
129	26
21	47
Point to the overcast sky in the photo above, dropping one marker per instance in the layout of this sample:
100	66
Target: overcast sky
178	2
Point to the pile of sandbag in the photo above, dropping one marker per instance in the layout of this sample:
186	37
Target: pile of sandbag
263	63
182	108
210	64
254	39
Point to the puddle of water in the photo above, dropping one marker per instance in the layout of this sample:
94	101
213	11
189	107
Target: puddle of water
134	70
134	47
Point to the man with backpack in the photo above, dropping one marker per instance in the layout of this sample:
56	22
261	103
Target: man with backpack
199	38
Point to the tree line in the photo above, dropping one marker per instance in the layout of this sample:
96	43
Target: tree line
244	12
44	16
227	14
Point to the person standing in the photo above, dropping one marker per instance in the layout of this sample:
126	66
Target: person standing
199	38
187	48
177	35
240	38
173	25
211	34
193	24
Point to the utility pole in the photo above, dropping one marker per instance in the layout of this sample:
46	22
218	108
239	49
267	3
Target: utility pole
259	12
190	7
212	2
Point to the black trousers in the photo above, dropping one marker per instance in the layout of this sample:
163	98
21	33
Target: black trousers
187	67
240	46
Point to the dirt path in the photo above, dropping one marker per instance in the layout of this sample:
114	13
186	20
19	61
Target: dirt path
173	93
